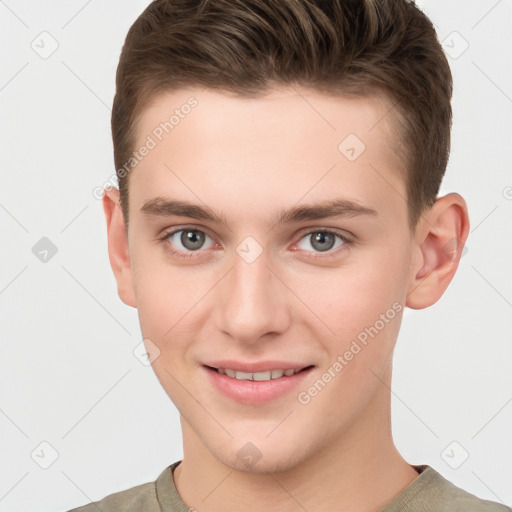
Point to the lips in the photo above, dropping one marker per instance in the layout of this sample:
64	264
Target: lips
256	383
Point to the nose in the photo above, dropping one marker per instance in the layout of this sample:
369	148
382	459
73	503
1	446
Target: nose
252	302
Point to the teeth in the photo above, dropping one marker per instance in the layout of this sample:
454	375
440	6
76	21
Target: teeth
261	376
243	376
258	376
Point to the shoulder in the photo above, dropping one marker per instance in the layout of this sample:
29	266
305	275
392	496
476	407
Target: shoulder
456	499
141	497
431	492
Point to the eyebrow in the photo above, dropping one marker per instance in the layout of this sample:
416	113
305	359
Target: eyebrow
160	206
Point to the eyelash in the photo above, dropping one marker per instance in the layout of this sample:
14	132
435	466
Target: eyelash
190	254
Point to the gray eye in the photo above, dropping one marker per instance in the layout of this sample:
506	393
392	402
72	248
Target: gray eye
192	239
188	240
322	241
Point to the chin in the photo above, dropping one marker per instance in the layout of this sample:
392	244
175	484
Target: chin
263	458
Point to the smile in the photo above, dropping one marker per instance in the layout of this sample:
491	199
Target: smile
265	383
258	376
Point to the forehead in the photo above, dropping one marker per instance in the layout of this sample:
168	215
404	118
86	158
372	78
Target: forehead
279	111
285	103
290	139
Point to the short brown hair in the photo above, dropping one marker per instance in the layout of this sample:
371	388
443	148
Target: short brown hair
246	47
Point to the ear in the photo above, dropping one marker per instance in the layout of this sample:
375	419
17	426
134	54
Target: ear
118	248
439	239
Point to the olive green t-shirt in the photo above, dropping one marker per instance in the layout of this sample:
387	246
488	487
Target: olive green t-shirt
429	492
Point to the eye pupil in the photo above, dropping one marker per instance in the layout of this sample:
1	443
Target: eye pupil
192	240
321	237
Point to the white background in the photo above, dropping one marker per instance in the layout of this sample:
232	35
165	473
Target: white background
68	374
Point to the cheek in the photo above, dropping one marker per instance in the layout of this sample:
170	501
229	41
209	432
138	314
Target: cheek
359	310
164	295
364	308
165	302
350	298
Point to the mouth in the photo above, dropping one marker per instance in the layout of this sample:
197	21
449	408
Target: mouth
266	382
262	376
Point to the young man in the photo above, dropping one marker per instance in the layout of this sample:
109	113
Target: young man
279	164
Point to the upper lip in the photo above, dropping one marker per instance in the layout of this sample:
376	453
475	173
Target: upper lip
262	366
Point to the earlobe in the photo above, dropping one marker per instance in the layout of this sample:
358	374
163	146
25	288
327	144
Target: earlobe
118	247
441	236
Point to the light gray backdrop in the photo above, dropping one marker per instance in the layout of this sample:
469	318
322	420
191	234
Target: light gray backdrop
80	415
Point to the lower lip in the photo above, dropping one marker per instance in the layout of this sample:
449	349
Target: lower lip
255	392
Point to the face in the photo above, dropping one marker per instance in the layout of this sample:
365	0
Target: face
270	234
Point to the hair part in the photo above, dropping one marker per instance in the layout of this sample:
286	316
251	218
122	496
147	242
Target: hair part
339	47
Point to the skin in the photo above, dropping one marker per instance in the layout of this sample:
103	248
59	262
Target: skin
248	159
